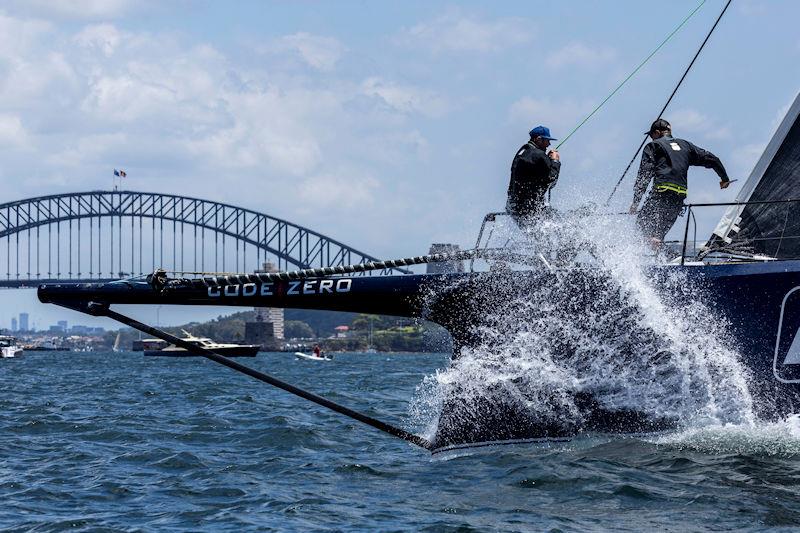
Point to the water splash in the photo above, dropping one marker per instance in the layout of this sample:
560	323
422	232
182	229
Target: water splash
618	331
780	438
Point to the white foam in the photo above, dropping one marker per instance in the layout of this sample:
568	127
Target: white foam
780	438
639	351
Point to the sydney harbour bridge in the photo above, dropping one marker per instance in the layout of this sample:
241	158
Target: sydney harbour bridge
107	235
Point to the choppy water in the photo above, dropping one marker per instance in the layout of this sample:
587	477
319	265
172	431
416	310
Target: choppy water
102	441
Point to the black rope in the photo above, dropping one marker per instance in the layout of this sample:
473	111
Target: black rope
101	310
671	96
161	281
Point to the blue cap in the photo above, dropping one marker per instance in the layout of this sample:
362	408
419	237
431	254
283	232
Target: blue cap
543	132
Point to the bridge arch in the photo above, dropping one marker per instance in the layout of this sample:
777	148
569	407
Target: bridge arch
114	245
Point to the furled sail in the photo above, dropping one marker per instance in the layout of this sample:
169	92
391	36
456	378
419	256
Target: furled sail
771	227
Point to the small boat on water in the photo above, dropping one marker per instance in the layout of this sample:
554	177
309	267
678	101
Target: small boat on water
312	357
9	347
226	349
48	345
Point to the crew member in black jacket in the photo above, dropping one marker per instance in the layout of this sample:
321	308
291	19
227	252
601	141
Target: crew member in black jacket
533	172
665	162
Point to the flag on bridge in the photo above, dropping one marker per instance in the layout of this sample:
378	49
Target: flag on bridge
120	173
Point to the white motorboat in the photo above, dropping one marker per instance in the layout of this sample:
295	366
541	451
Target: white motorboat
226	349
9	347
312	357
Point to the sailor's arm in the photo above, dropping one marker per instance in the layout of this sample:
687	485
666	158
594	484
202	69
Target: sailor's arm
555	168
704	158
643	177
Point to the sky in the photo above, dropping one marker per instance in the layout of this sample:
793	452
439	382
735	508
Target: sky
384	125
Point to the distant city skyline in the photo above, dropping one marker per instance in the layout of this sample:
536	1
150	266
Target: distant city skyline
20	323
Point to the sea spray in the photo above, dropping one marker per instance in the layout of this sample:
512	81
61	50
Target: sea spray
775	438
572	337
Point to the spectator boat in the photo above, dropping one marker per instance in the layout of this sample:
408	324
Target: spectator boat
9	347
226	349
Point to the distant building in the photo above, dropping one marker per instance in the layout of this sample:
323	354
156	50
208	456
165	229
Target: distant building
23	322
445	267
267	328
342	331
63	325
261	333
272	315
13	324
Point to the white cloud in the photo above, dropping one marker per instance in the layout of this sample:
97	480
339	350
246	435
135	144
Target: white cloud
184	117
455	32
90	147
32	69
695	122
581	55
125	99
339	192
319	52
405	98
104	37
12	131
149	99
19	36
76	9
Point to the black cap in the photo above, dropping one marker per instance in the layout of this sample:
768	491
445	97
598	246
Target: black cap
659	125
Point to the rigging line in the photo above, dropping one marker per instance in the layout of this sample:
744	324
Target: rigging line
161	282
632	74
671	96
100	310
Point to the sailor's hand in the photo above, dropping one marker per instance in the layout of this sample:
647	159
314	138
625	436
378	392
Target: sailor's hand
632	210
554	155
724	184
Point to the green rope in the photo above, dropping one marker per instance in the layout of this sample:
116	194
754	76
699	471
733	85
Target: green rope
632	74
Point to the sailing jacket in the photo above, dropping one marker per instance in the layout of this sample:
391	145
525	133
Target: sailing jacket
666	162
532	174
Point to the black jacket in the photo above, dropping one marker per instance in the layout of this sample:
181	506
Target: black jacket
666	162
532	174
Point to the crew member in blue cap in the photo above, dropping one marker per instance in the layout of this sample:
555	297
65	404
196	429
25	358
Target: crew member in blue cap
665	162
534	172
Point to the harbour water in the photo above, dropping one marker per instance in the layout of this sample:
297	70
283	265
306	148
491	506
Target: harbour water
117	441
